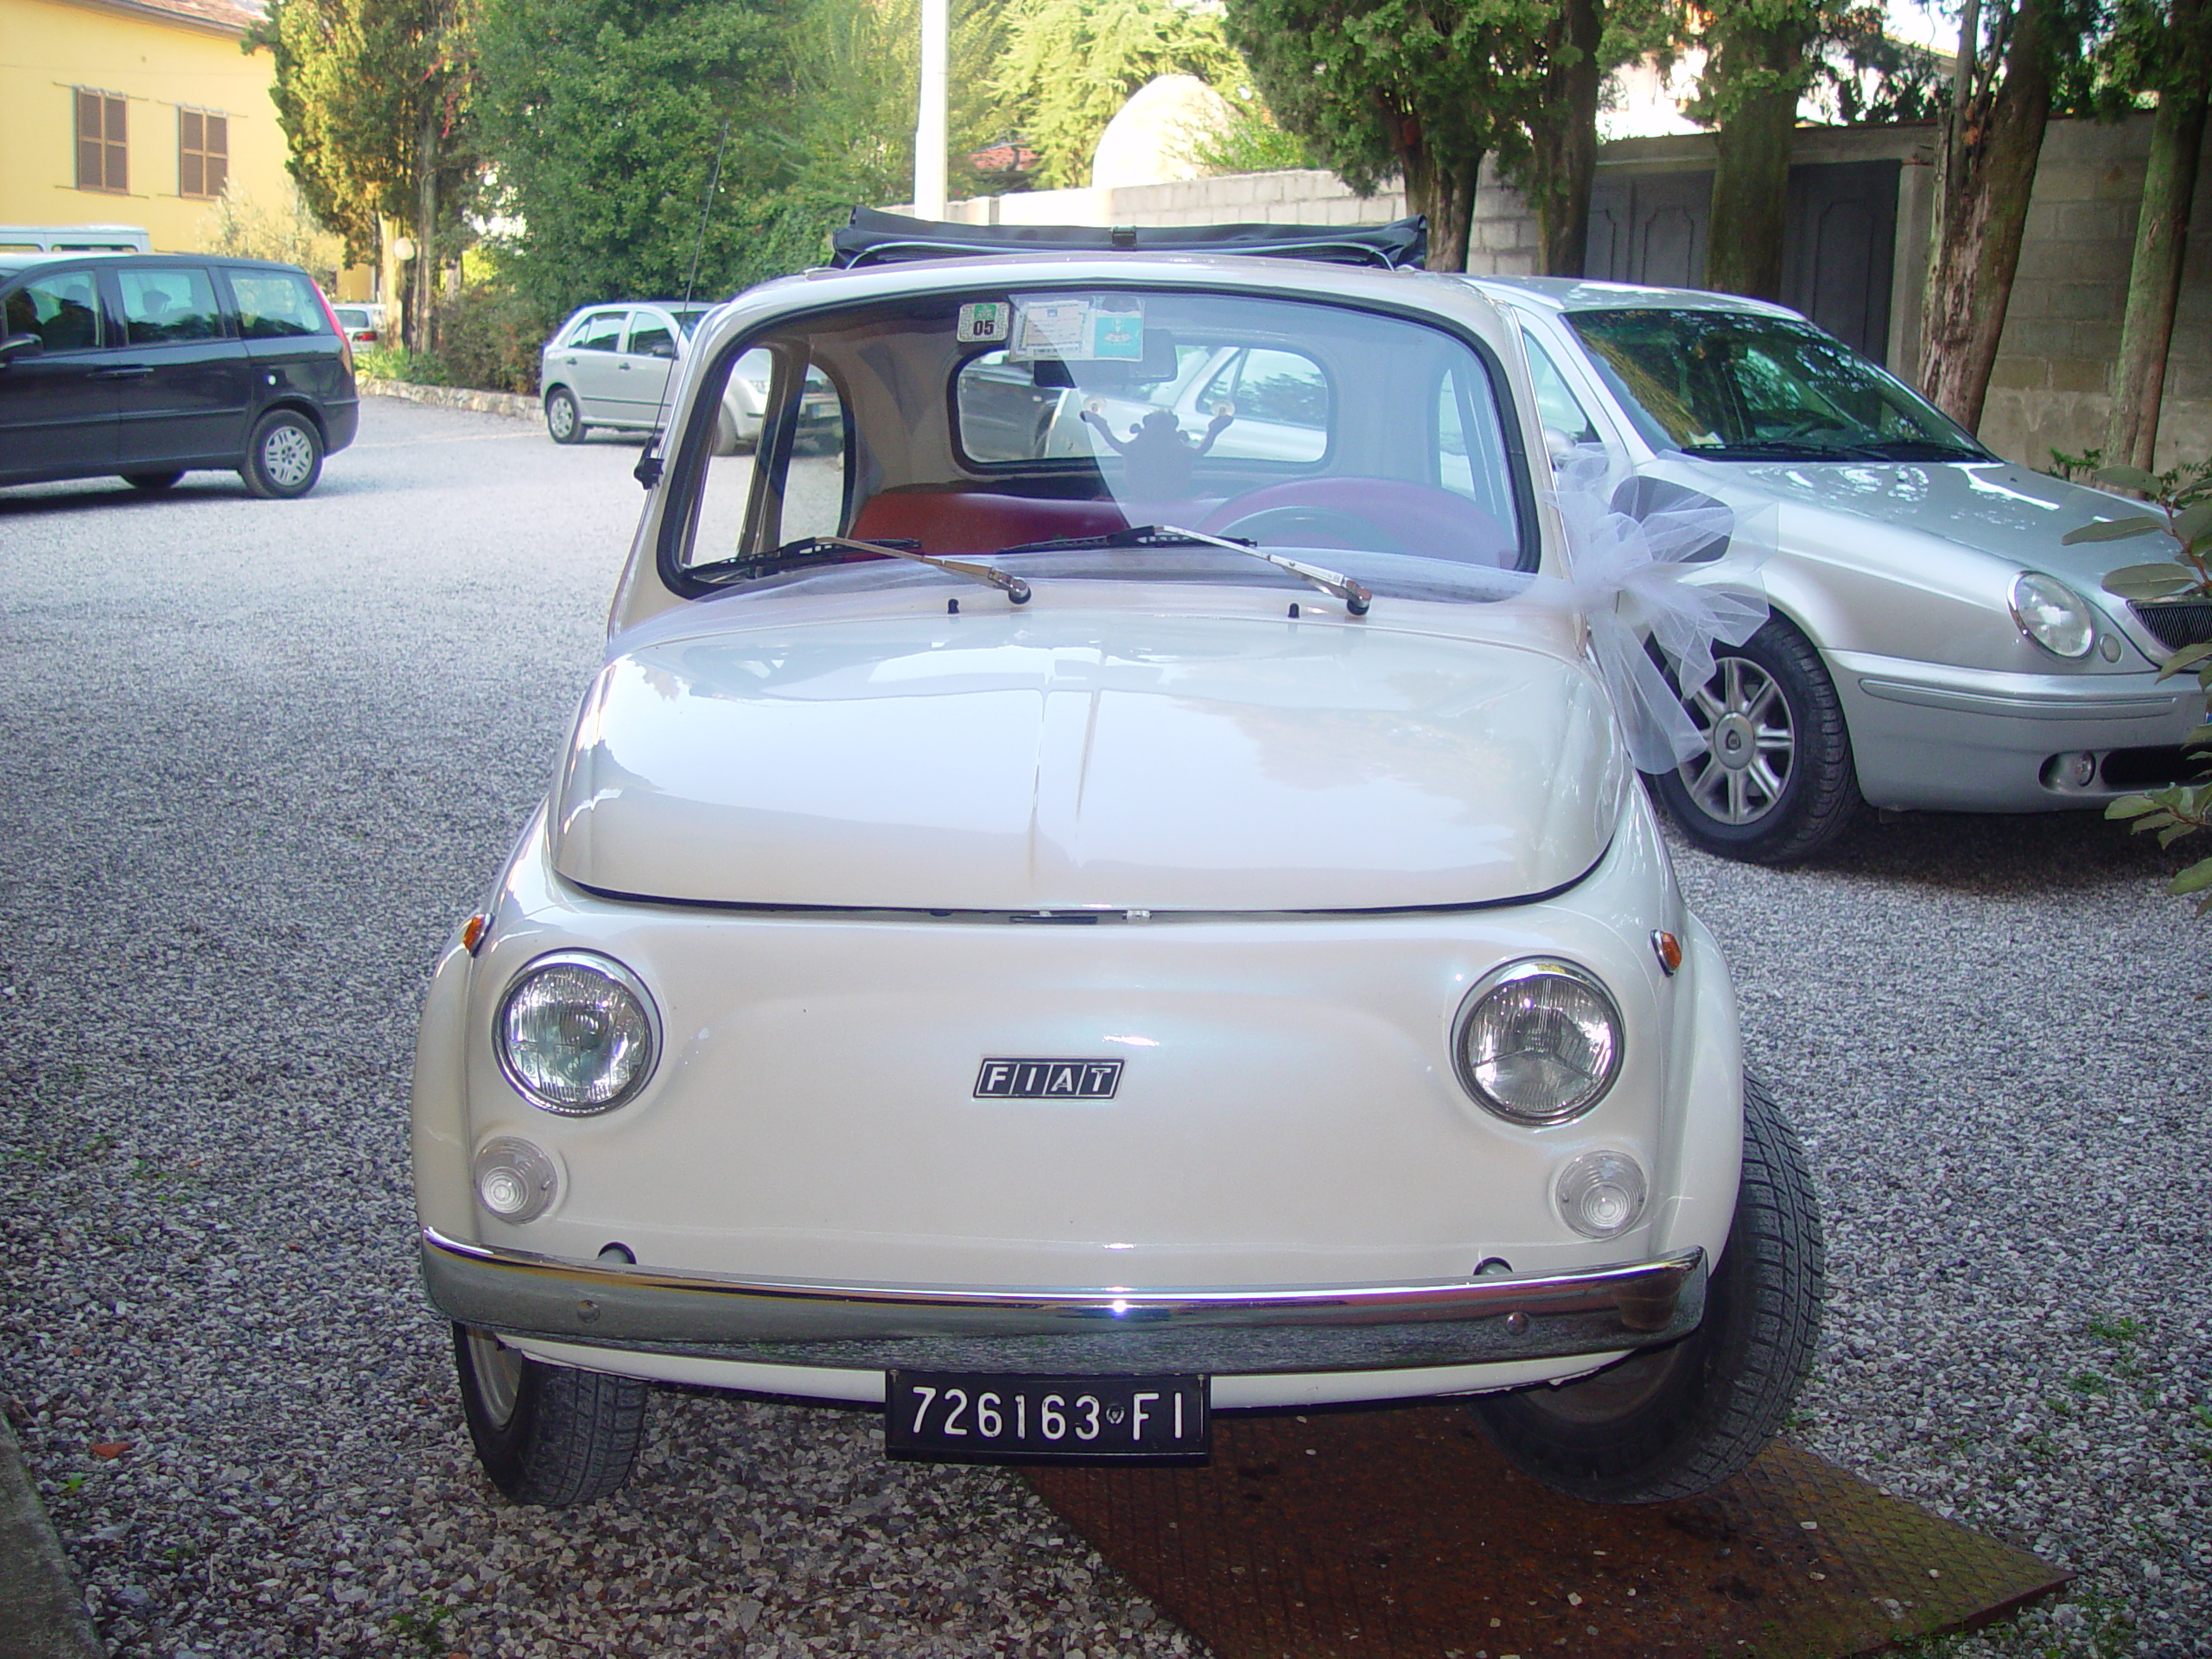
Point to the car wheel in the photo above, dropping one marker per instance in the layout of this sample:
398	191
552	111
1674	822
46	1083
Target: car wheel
726	441
152	483
547	1435
563	418
1774	782
284	457
1674	1421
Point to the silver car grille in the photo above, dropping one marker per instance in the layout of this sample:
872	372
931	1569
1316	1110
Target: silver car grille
2177	622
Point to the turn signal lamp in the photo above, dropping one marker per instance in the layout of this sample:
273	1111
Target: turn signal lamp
515	1180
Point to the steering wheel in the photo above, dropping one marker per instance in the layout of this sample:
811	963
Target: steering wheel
1375	515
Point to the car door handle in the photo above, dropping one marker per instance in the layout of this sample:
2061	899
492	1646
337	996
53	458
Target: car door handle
132	372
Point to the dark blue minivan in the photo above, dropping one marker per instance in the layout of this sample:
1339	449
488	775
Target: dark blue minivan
148	366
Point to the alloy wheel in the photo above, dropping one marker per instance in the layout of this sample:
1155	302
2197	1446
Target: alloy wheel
1749	743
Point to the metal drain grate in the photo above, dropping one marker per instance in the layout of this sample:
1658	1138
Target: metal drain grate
1392	1534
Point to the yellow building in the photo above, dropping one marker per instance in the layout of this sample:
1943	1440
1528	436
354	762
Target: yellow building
134	112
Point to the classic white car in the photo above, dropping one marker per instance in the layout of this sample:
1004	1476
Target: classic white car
1060	944
1936	642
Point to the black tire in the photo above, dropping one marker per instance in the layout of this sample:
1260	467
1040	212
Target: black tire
1777	782
1675	1421
547	1435
283	458
564	420
152	483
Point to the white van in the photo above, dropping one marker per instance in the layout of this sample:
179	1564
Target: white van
74	238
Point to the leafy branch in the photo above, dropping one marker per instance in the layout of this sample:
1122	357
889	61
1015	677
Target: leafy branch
2184	500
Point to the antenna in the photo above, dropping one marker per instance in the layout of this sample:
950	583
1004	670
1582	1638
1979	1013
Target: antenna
647	471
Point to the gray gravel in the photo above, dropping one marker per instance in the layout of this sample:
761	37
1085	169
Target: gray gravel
261	754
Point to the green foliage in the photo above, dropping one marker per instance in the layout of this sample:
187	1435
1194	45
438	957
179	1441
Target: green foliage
239	226
1421	88
355	82
1253	142
2182	500
603	119
1070	66
423	1628
489	336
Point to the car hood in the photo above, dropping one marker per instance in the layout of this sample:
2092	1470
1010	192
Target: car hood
2010	513
1079	757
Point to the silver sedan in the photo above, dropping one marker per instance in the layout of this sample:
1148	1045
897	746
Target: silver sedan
1933	645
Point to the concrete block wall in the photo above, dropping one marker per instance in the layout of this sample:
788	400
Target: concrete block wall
2051	387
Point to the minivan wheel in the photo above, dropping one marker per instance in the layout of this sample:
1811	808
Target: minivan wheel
547	1435
285	458
562	419
1678	1421
152	482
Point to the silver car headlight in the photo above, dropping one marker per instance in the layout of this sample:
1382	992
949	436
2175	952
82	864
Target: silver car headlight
577	1034
2053	615
1537	1042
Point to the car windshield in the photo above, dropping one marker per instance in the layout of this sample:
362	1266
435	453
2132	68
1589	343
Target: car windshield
1039	426
1736	385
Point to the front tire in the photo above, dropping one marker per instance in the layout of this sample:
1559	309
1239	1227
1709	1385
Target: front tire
564	422
284	457
1776	781
1675	1421
547	1435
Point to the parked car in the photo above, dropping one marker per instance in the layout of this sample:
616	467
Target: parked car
1935	643
363	323
608	365
1057	944
152	366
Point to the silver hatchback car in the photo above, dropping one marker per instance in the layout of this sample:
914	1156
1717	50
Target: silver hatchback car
1935	643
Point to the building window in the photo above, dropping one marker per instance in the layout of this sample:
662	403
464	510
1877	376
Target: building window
102	153
203	153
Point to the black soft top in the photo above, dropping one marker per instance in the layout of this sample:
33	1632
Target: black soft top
881	239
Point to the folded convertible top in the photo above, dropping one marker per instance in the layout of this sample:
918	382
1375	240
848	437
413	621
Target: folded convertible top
880	238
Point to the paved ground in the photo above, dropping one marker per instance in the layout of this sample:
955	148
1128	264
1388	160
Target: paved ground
260	755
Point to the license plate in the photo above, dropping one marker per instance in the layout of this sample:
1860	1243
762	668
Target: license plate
970	1417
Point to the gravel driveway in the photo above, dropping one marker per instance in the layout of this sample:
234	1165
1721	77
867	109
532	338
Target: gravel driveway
261	754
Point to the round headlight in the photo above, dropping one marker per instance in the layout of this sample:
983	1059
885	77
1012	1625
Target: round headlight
577	1034
2053	615
1538	1041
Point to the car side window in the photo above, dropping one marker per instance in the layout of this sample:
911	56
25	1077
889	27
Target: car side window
62	309
789	486
276	305
601	332
651	336
1471	459
162	303
1557	407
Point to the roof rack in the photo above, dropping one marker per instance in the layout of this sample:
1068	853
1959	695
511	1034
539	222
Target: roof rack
881	239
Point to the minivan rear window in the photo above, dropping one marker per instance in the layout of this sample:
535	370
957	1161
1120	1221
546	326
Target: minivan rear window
276	305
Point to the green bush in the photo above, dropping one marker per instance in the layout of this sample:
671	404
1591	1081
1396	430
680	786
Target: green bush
489	337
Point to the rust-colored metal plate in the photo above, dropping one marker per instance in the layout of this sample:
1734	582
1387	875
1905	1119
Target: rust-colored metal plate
1393	1533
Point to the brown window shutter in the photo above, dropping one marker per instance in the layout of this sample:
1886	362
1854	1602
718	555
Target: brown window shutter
218	153
191	160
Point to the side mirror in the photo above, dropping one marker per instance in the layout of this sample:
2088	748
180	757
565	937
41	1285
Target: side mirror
18	345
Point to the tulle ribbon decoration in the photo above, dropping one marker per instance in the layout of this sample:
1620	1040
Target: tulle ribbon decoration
1634	548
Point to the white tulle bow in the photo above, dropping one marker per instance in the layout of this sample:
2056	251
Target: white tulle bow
1629	580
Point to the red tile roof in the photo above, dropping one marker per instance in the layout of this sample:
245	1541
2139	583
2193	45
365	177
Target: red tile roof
233	16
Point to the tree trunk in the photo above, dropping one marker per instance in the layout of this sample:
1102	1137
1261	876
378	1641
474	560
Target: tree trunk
1564	135
2138	377
1750	181
425	274
1442	187
1979	214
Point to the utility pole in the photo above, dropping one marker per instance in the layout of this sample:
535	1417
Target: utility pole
930	139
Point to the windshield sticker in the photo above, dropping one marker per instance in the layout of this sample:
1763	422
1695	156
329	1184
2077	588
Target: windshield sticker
985	322
1077	330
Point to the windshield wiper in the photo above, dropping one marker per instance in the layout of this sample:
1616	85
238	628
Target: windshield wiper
1356	599
831	549
1773	449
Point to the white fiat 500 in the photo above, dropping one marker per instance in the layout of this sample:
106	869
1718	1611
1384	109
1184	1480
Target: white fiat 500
1061	943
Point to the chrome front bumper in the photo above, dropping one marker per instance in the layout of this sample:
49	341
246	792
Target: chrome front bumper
1212	1332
